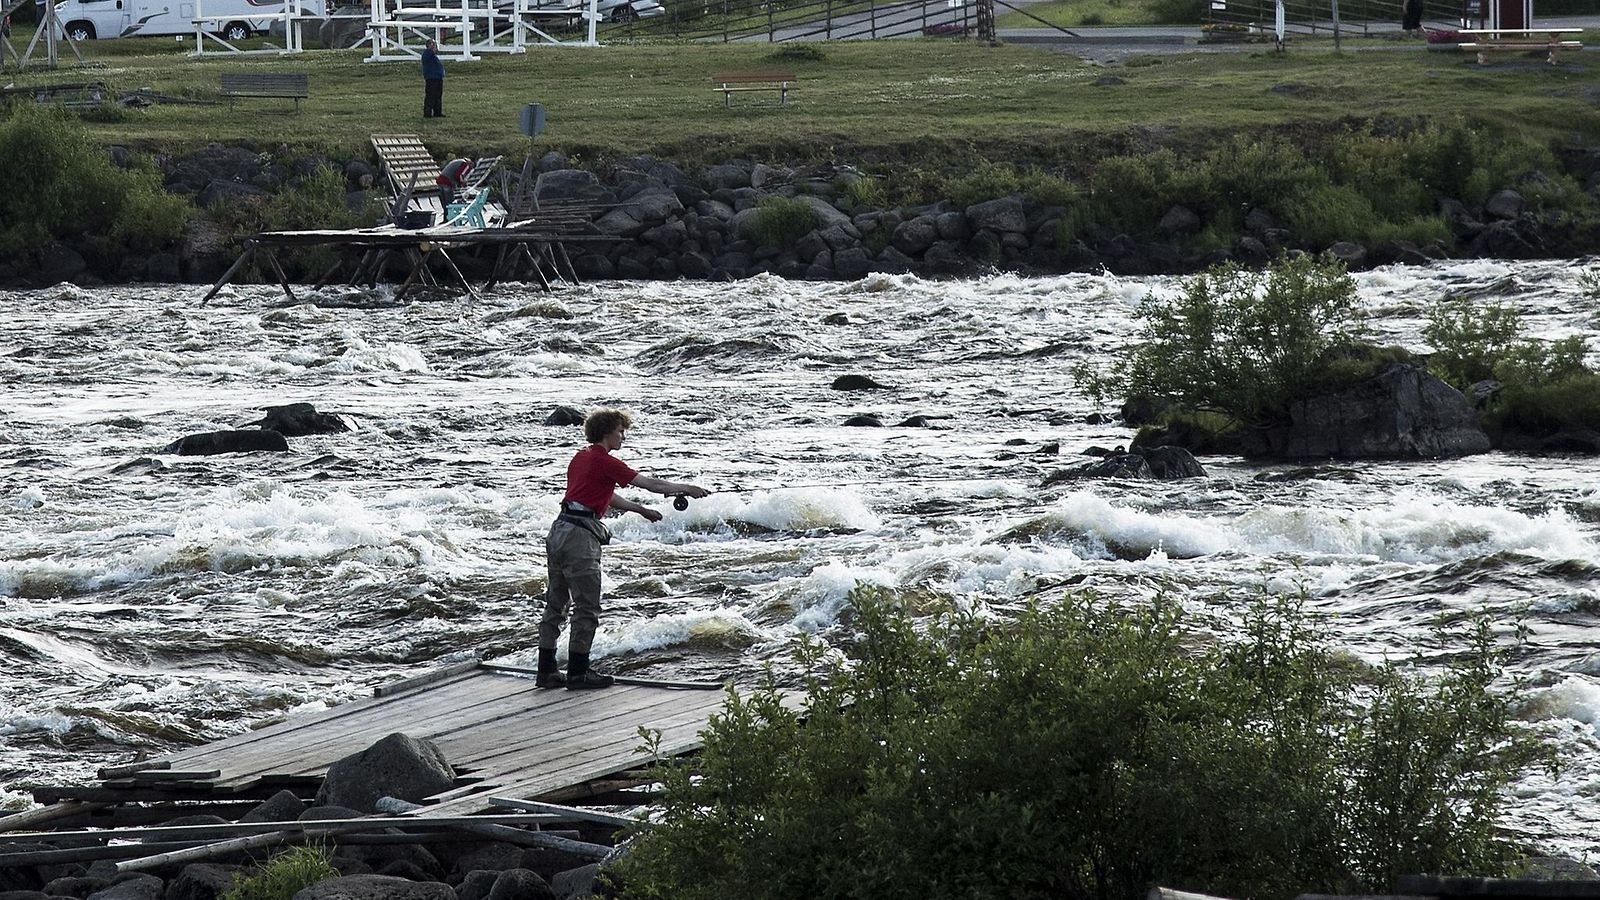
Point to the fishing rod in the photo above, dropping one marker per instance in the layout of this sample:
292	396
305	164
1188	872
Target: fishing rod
680	502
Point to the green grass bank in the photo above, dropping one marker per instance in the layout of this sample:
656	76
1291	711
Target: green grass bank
927	101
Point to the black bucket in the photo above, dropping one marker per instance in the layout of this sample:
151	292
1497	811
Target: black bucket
417	218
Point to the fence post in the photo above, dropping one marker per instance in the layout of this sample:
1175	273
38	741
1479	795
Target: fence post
874	19
771	34
830	20
724	21
1337	46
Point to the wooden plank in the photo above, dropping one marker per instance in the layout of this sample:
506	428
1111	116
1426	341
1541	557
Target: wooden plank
624	679
426	678
567	812
120	771
30	818
337	719
272	732
232	829
619	755
313	751
578	748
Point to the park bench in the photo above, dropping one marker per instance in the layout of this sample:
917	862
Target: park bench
730	83
290	85
1550	41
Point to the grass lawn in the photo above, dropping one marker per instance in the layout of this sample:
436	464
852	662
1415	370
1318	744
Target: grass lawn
1081	13
920	100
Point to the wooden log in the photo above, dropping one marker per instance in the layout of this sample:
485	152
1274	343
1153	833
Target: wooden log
416	681
623	679
238	829
249	251
568	812
126	769
1466	886
283	280
54	812
1161	893
583	849
212	851
176	775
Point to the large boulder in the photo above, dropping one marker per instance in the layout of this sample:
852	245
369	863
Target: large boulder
521	884
397	766
133	887
284	806
58	263
299	420
1004	215
210	443
375	887
201	881
571	186
1401	413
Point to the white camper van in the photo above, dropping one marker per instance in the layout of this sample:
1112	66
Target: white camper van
235	20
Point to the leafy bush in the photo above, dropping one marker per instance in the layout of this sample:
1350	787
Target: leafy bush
73	190
1469	337
1087	750
316	200
1244	342
780	221
987	181
283	876
1132	193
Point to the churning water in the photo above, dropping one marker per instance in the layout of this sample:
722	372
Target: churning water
154	601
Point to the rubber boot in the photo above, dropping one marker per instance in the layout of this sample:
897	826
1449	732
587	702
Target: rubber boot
549	672
581	678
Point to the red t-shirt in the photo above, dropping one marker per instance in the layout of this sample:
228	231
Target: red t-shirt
593	476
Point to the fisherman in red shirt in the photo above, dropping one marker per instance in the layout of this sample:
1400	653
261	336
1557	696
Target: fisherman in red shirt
572	549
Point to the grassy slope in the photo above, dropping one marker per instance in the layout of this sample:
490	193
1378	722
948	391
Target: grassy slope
922	100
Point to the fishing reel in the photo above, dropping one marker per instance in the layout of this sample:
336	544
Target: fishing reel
680	502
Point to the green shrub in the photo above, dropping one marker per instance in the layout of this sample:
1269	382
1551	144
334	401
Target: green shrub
1088	750
1468	337
1243	342
1546	407
1049	190
281	877
866	191
987	181
780	221
74	190
800	52
1132	193
316	200
1589	284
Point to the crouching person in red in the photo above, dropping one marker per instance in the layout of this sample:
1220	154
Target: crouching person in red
572	550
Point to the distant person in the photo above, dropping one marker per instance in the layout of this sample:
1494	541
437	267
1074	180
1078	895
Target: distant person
1411	17
432	82
572	549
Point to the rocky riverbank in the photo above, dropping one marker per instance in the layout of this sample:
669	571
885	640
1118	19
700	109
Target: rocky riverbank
742	218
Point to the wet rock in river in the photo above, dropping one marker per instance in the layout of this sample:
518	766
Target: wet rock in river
864	421
856	383
299	420
564	415
210	443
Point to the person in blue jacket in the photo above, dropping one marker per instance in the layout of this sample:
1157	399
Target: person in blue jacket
432	82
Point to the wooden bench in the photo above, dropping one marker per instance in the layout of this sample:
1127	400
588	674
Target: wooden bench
730	83
290	85
1550	41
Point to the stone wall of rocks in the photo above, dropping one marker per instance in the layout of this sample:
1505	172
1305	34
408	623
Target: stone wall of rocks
671	223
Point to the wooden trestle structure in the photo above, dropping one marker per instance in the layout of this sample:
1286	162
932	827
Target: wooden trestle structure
520	753
533	249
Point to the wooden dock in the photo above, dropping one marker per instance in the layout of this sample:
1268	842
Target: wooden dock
506	738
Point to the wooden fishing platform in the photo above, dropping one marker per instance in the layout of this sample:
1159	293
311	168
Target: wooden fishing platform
535	247
507	739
